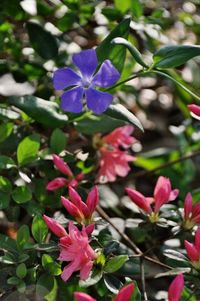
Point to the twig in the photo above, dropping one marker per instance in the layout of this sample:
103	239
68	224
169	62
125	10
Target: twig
142	271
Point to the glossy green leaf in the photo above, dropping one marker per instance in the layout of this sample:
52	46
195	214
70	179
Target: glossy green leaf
21	194
42	41
6	162
119	112
28	148
115	263
58	141
21	270
5	130
175	55
116	53
23	236
39	229
42	111
46	287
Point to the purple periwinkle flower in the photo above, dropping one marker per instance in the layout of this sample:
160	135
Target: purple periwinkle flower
84	83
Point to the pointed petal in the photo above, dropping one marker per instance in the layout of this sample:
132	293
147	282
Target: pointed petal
62	166
188	206
68	270
107	75
176	288
98	101
86	61
65	77
83	297
197	240
139	199
71	100
56	183
89	229
71	208
77	201
195	109
125	293
54	226
161	192
191	251
85	270
92	200
173	195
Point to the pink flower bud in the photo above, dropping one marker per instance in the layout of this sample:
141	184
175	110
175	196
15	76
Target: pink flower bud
139	199
62	166
192	252
56	183
188	206
176	288
125	293
54	226
92	200
195	110
71	208
197	240
83	297
89	229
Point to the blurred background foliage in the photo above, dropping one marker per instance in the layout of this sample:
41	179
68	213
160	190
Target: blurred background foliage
38	36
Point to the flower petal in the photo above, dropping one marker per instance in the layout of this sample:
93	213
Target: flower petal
83	297
188	206
54	226
86	61
195	109
106	76
139	199
65	77
71	100
125	293
85	270
176	288
56	183
62	166
191	250
98	101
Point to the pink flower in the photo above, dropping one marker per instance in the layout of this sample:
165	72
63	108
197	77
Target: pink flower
124	294
54	226
193	250
176	288
113	160
191	213
76	249
113	163
64	169
163	194
81	211
195	110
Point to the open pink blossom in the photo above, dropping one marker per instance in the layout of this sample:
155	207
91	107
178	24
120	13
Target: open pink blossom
191	216
163	194
176	288
74	248
114	158
124	294
61	181
193	250
195	110
81	211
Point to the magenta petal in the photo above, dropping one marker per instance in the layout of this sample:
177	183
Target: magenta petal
188	205
106	76
65	77
195	109
176	288
197	240
71	100
125	293
86	61
98	101
191	250
56	183
83	297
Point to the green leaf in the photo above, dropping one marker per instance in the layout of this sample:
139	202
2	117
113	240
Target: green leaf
23	236
28	149
133	50
115	53
173	254
5	185
112	283
43	111
21	194
39	229
5	130
175	55
4	200
13	280
111	247
92	280
42	41
115	263
46	287
21	271
119	112
123	6
6	162
50	265
58	141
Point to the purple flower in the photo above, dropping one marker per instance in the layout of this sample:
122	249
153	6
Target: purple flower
85	83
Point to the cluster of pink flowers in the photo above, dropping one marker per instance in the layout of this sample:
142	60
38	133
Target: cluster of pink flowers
163	194
191	215
193	250
114	157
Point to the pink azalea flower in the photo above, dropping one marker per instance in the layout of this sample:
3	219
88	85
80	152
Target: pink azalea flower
81	211
113	160
74	248
193	250
163	194
176	288
191	215
195	110
124	294
60	181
